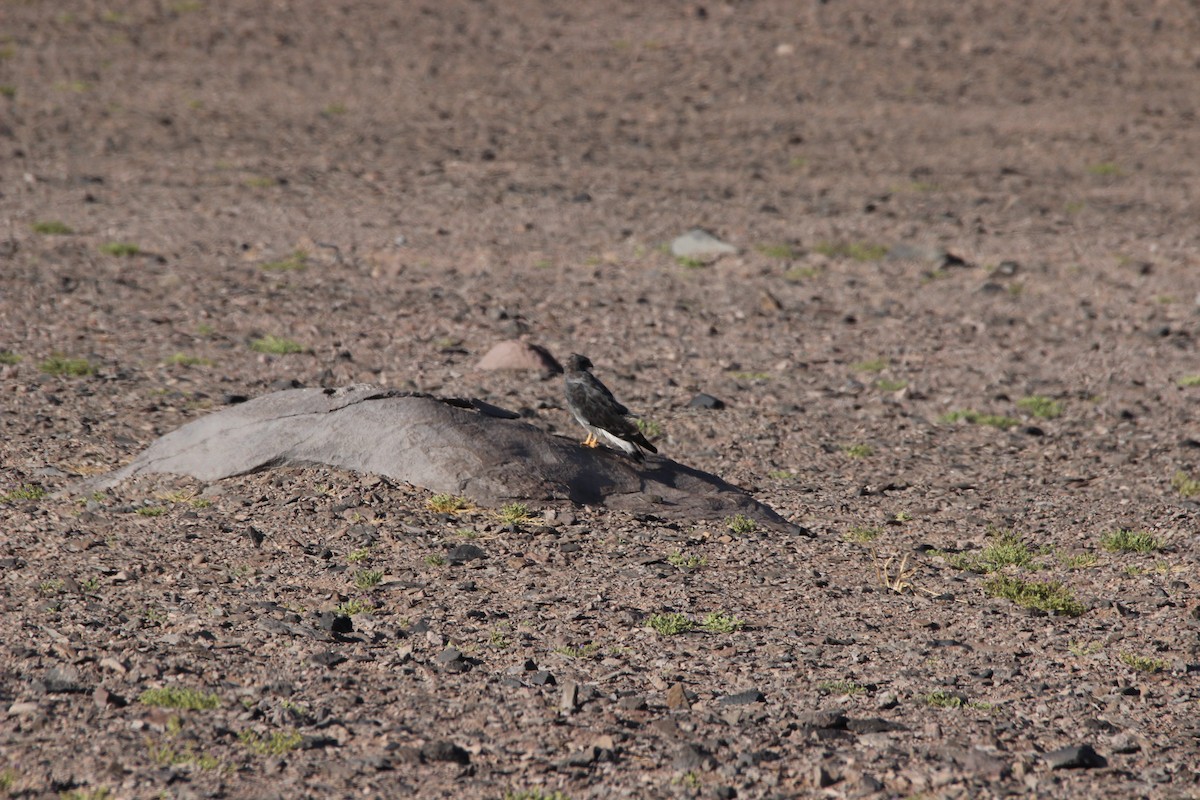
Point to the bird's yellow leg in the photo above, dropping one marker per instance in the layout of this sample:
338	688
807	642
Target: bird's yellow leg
591	440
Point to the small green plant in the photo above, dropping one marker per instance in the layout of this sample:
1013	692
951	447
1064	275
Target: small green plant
858	450
1185	484
841	687
888	385
120	249
151	511
690	262
582	652
8	357
50	588
8	779
8	90
498	638
750	376
535	794
297	261
679	559
691	779
798	274
359	556
354	607
1040	406
740	523
98	793
940	698
277	743
368	578
1104	169
872	365
670	624
184	360
1189	380
514	513
720	622
435	560
179	697
902	516
782	475
276	345
856	251
334	110
75	87
1006	551
91	584
1079	560
1045	596
168	756
61	365
1143	663
259	182
649	428
447	503
1126	541
26	492
52	228
1081	649
862	535
976	418
782	252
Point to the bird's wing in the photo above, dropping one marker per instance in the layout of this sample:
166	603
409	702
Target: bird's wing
601	389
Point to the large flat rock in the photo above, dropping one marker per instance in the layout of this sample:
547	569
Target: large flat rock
458	446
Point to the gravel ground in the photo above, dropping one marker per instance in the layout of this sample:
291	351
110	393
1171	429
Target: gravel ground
957	344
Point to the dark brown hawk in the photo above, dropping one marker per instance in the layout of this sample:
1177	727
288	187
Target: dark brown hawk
605	419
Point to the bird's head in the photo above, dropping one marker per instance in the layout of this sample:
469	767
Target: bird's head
578	363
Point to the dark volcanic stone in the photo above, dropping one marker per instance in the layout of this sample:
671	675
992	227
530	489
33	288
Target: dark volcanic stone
1077	757
707	401
335	623
63	680
464	553
689	757
742	698
873	725
445	751
327	658
449	655
823	720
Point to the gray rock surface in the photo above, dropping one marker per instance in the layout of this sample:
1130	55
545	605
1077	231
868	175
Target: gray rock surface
699	243
458	446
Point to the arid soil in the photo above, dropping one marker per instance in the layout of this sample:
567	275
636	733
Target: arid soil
956	345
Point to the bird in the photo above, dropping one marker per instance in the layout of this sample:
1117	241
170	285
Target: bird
604	418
